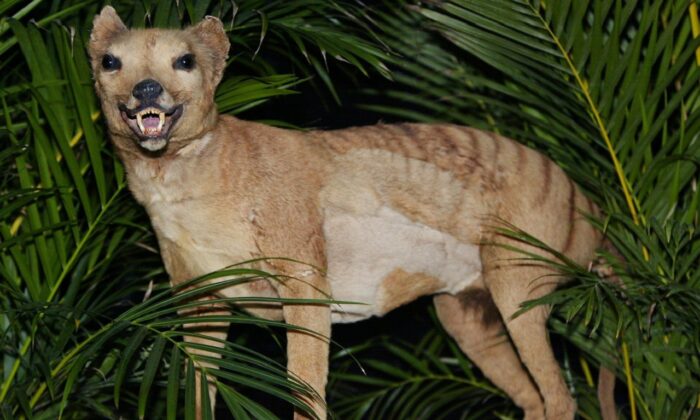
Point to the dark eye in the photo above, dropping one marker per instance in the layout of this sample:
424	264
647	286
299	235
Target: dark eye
184	62
110	62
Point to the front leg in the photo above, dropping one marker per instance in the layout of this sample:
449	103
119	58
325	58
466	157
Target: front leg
212	334
290	224
307	353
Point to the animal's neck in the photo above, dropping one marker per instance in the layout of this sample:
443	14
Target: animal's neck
162	177
181	173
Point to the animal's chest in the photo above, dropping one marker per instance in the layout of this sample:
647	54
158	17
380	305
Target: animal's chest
200	227
203	235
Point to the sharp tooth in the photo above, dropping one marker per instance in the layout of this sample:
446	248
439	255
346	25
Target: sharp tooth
162	120
139	121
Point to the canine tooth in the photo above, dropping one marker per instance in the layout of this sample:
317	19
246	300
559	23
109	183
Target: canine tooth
161	116
139	121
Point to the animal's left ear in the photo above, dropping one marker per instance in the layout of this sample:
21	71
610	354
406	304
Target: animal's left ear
212	34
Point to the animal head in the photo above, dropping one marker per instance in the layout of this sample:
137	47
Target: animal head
157	85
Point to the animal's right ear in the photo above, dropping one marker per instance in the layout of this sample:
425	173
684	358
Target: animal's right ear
105	27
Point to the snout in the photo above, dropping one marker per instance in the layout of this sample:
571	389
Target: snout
151	120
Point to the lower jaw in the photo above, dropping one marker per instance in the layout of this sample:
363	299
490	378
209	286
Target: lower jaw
153	144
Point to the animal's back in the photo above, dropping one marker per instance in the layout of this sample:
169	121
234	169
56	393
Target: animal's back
407	207
453	178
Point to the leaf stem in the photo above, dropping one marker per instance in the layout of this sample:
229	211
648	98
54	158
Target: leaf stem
630	384
695	26
586	372
15	368
583	85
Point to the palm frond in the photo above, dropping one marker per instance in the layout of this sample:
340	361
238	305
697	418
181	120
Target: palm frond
400	380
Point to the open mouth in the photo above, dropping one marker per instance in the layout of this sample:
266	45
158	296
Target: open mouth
151	123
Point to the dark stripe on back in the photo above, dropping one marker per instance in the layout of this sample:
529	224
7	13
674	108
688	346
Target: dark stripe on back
496	147
452	145
592	207
420	146
337	141
476	147
407	138
408	130
546	178
473	158
572	214
447	140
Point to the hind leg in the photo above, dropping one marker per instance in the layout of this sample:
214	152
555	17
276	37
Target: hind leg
511	284
473	321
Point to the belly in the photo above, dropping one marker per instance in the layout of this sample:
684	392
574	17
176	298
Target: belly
382	260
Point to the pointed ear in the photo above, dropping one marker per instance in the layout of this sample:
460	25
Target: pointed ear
105	27
212	35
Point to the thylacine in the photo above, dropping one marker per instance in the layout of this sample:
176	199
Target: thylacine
391	212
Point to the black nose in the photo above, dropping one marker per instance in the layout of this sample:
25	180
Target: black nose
147	89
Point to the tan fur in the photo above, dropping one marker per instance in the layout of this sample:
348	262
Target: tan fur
400	287
389	213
